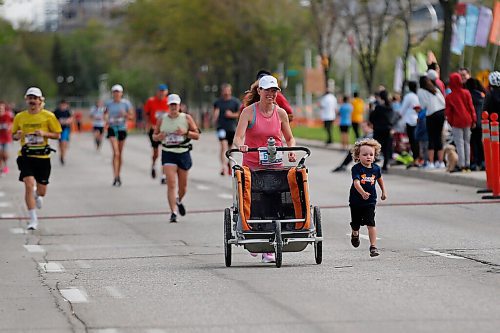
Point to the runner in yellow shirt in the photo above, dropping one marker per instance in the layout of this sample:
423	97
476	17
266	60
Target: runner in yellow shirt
358	113
34	127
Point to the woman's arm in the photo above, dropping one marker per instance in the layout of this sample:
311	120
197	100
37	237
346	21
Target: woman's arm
285	128
193	132
241	128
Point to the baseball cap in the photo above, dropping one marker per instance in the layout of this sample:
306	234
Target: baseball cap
268	81
432	74
162	87
33	91
174	99
117	87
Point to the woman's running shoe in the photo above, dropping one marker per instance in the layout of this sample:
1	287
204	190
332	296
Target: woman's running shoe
173	218
180	206
268	257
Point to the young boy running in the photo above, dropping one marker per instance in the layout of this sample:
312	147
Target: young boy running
363	194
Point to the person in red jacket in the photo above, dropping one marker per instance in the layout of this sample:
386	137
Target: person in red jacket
461	115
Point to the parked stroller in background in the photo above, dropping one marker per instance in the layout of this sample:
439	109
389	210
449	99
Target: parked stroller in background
271	210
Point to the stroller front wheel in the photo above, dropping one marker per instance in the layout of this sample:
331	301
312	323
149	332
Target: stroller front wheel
278	245
318	246
227	236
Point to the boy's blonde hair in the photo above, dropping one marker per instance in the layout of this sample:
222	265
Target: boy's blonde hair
365	142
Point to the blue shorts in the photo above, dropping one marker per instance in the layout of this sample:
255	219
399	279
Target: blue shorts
65	134
182	160
4	146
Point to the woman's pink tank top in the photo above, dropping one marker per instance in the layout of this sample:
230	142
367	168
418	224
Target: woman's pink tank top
258	131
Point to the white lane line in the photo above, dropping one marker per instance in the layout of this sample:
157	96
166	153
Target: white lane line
18	231
442	254
107	330
114	292
155	330
2	194
7	215
202	187
83	264
5	204
34	248
362	236
225	196
74	295
51	267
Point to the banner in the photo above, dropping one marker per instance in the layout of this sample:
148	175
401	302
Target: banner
483	26
471	18
421	63
411	69
458	39
495	27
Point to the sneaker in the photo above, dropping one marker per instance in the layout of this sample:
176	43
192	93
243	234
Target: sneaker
117	182
163	180
5	170
153	173
38	200
429	166
373	251
268	257
355	240
173	218
253	254
33	225
180	206
440	165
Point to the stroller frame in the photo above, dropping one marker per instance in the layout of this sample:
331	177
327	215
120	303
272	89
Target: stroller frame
278	233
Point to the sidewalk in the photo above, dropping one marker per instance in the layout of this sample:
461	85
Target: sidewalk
475	179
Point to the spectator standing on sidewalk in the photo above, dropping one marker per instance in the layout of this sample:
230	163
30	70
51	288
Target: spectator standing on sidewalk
345	112
34	127
478	94
358	113
492	101
382	121
328	108
432	100
6	119
155	107
461	115
410	116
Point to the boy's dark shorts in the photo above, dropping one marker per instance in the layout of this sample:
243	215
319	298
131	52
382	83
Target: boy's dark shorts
362	215
154	144
98	129
121	135
182	160
35	167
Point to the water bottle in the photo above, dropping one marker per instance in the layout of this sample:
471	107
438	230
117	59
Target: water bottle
271	149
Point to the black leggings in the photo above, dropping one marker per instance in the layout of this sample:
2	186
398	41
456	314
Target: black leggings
434	124
384	137
415	150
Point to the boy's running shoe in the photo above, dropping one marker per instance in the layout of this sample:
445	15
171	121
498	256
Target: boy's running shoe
355	240
373	251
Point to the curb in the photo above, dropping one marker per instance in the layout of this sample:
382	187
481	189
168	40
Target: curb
474	179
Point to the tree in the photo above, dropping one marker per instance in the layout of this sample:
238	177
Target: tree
448	7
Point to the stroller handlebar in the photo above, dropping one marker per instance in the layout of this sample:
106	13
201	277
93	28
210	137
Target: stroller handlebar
253	149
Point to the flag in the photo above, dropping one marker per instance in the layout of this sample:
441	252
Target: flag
483	26
458	39
495	27
471	18
398	75
421	63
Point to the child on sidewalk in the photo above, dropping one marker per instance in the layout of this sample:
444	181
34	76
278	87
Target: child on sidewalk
363	193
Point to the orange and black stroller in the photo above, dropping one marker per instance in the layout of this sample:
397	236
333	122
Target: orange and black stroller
271	210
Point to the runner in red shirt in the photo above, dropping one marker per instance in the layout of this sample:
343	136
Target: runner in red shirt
154	109
6	119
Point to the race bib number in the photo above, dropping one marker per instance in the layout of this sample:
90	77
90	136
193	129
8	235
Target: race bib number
264	157
117	120
33	140
173	139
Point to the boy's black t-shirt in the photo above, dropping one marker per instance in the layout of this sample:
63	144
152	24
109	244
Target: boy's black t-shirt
368	180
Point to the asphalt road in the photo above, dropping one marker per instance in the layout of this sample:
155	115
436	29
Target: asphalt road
106	259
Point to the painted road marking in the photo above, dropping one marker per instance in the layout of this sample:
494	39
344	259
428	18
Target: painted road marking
51	267
155	330
114	292
34	248
18	231
107	330
225	196
7	215
362	236
83	264
74	295
2	194
5	204
202	187
442	254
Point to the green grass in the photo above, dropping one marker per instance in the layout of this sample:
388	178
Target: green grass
319	133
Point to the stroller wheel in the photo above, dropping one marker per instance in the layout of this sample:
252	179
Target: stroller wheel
318	246
227	236
278	247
